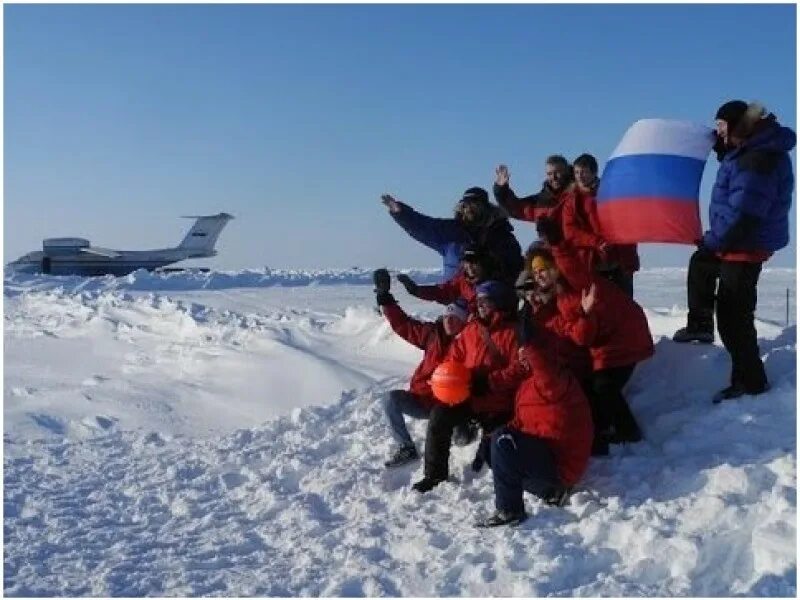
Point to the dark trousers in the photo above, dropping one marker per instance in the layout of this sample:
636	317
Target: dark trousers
441	423
521	462
732	288
610	410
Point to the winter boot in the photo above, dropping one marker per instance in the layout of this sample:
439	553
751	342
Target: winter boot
403	456
737	390
501	517
698	329
558	496
686	335
426	484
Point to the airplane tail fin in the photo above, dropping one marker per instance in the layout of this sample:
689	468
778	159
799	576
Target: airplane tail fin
202	237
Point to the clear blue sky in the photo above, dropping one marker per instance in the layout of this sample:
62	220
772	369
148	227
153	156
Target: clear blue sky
118	119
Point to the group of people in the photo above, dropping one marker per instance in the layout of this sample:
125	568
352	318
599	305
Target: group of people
552	337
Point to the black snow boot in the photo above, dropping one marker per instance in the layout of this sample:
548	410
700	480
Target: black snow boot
699	328
403	456
686	335
737	390
426	484
558	496
501	517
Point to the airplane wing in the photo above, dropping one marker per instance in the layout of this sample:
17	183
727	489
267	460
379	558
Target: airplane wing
101	252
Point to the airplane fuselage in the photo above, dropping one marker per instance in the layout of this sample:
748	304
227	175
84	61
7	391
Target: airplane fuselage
76	256
126	262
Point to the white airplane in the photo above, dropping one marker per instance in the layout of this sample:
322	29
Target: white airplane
76	256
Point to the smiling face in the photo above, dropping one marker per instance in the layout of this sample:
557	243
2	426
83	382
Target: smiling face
584	176
555	175
486	307
452	325
545	279
473	271
471	211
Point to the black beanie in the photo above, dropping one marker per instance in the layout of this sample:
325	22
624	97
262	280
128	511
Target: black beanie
476	194
732	112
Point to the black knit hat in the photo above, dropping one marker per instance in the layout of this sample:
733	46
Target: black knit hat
475	194
732	112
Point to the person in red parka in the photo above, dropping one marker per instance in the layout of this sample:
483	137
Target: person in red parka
434	338
546	203
545	448
486	346
614	329
476	266
549	321
615	262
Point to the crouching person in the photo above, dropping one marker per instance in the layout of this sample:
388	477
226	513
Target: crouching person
487	345
598	315
434	338
545	448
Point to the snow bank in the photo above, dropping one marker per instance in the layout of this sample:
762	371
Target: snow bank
163	444
193	279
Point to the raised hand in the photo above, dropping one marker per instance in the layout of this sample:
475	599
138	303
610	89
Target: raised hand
588	298
501	175
381	279
390	203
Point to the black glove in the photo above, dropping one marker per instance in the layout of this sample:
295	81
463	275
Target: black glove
478	384
549	231
408	283
384	298
381	279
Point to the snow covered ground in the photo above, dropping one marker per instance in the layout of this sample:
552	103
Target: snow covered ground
221	434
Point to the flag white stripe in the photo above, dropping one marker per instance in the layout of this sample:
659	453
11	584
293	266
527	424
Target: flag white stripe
664	136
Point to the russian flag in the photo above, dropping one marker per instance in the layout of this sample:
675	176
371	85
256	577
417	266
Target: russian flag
650	188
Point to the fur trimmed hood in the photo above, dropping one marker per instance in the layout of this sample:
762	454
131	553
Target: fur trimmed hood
752	119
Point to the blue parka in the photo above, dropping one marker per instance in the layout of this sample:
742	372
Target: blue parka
750	202
449	236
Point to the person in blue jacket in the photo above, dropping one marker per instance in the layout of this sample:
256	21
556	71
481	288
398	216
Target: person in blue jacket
475	222
749	221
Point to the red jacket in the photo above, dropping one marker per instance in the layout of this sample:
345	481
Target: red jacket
581	228
551	404
616	331
569	354
474	352
428	336
531	208
449	291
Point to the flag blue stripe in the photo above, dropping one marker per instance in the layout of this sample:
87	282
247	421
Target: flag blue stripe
651	176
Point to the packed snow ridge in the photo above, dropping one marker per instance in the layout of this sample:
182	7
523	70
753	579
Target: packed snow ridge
222	434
